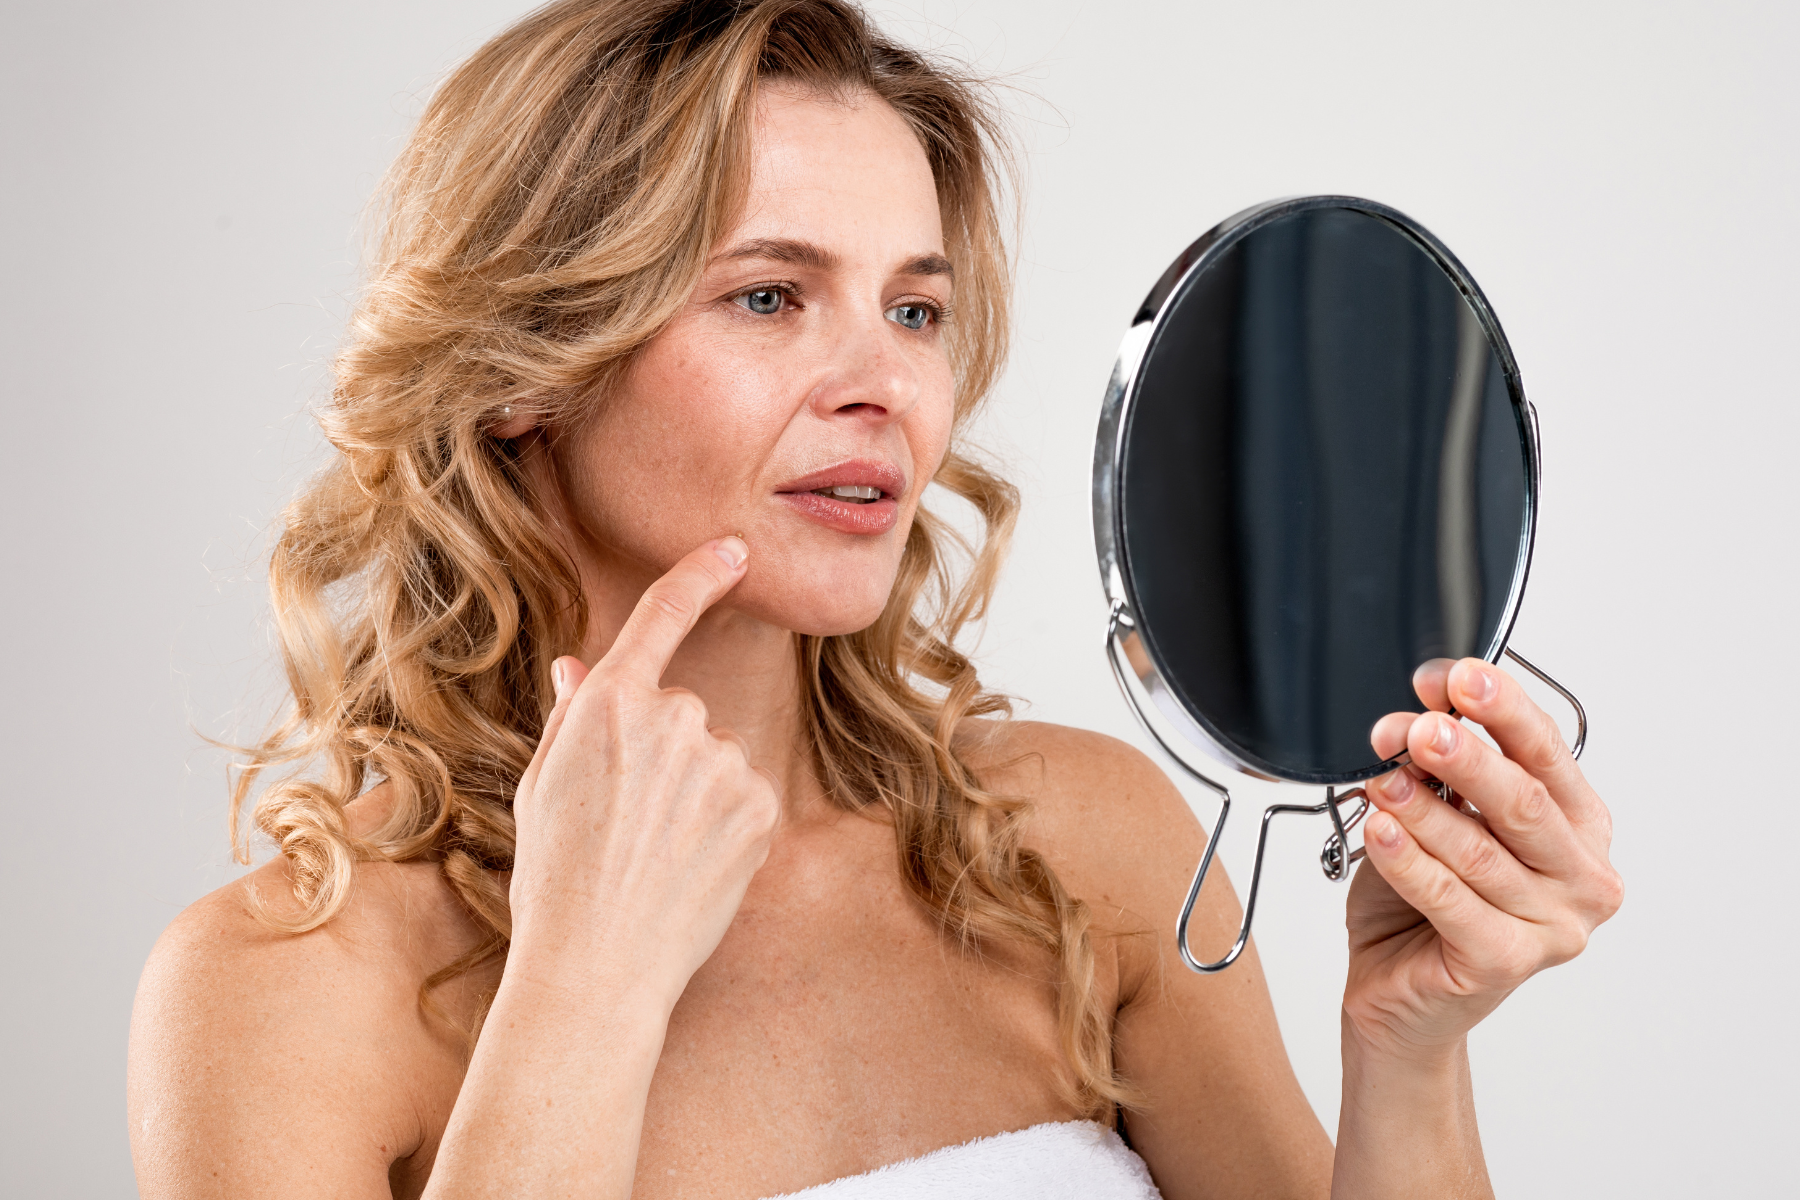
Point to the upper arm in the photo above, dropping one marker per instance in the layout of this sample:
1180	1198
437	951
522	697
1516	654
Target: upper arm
256	1067
1224	1114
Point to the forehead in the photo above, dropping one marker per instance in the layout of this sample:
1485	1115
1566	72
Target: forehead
848	172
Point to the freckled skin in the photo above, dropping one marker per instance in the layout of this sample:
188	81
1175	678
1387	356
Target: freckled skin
725	405
799	1017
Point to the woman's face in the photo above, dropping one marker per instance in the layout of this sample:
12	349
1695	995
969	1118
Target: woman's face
803	396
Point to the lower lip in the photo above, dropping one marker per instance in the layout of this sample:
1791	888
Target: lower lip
845	516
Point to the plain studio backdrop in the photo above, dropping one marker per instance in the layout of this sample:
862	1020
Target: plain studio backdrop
184	182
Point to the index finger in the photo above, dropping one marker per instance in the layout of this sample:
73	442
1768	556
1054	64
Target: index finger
1525	733
669	608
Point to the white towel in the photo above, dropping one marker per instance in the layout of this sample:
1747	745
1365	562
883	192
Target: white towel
1059	1160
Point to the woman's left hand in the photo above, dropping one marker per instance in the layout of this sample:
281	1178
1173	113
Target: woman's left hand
1459	910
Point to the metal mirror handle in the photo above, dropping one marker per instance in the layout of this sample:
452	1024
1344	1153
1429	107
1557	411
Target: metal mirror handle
1333	860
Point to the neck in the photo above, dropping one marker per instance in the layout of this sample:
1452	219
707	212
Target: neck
745	671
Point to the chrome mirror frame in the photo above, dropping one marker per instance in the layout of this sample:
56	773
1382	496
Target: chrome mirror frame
1132	657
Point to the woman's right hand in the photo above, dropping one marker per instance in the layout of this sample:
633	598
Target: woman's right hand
639	827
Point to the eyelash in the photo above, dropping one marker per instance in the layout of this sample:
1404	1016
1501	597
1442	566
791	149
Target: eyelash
940	313
790	290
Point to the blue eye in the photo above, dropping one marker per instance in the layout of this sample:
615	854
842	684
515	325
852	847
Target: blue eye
912	316
762	301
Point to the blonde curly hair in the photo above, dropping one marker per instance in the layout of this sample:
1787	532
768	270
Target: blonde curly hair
553	209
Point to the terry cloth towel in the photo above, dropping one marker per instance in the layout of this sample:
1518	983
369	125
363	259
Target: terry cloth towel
1059	1160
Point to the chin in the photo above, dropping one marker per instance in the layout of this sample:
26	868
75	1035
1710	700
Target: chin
820	603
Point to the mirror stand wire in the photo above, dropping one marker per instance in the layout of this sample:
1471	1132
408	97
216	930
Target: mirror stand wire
1581	726
1119	620
1332	860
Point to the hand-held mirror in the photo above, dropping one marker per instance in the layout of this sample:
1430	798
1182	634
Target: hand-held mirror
1316	470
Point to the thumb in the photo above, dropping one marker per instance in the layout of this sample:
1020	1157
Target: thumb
566	674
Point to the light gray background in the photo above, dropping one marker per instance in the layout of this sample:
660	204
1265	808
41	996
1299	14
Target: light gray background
182	185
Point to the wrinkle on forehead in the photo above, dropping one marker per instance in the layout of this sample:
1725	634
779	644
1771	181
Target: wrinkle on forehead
854	145
808	254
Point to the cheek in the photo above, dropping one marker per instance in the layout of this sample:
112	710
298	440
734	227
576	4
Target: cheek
930	424
825	585
669	457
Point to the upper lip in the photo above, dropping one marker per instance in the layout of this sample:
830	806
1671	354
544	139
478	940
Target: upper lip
856	472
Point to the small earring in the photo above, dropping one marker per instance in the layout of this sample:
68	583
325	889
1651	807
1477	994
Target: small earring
506	410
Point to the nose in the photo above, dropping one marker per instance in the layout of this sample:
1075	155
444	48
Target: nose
869	377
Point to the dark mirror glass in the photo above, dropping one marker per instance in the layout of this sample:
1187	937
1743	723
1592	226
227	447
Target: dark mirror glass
1323	483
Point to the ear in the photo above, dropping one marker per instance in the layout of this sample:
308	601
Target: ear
513	423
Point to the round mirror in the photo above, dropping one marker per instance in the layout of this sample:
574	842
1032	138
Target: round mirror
1316	470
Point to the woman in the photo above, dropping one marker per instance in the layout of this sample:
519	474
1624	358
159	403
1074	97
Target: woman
650	836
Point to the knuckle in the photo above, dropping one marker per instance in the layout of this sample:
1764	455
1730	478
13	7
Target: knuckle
767	809
670	602
1547	752
685	706
1534	806
1609	893
1484	859
751	810
1568	939
1547	757
756	792
1602	824
1438	889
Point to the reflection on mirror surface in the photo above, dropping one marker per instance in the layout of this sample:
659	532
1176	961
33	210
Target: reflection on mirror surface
1324	484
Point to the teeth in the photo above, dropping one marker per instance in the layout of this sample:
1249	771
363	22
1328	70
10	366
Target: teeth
850	491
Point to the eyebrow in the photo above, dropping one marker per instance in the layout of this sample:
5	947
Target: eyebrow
817	258
929	264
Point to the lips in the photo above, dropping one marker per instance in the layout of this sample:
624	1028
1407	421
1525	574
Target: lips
861	496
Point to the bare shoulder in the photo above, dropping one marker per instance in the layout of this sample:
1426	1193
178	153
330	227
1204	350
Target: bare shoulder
1116	830
235	971
1080	783
263	1059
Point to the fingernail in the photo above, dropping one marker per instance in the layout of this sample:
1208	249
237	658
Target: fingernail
1443	738
1396	787
559	677
1384	829
732	550
1432	666
1481	683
